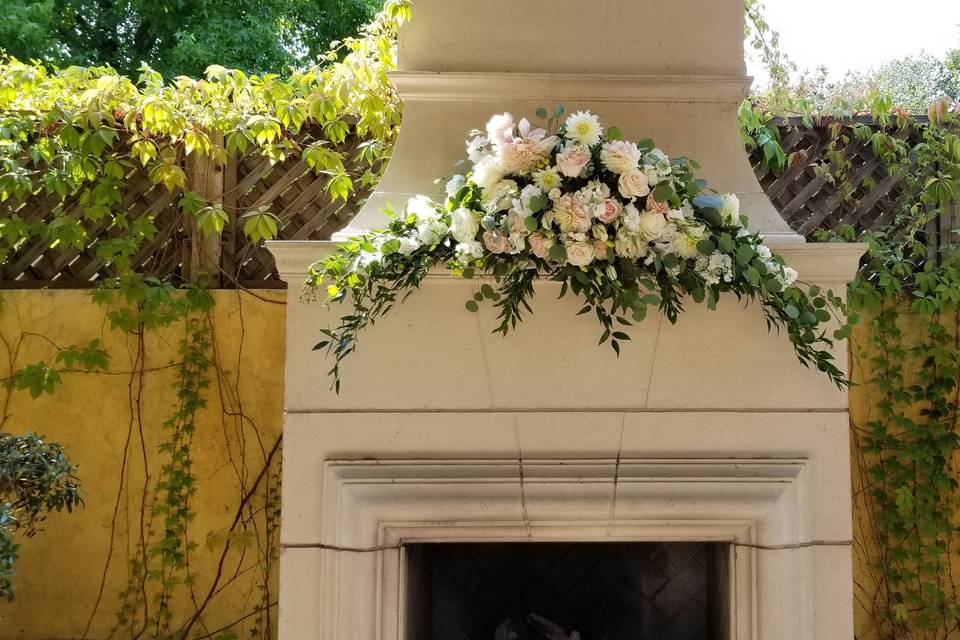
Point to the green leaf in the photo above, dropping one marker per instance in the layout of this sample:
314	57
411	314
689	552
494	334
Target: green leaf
792	312
530	223
539	203
542	113
558	253
472	306
614	133
706	247
663	192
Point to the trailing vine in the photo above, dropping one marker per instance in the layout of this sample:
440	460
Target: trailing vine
907	362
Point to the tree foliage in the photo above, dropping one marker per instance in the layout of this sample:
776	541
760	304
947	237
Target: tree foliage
36	478
179	37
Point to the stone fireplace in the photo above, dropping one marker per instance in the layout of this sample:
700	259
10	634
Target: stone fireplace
541	455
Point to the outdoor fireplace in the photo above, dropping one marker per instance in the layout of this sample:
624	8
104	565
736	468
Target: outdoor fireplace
446	439
604	590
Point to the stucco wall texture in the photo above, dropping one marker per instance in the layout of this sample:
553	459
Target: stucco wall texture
95	416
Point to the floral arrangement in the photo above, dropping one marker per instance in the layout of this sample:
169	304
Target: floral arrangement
617	223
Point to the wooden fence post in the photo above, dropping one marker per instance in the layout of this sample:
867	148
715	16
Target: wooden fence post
205	177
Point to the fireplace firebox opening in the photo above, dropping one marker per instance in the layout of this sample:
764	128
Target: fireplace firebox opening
552	591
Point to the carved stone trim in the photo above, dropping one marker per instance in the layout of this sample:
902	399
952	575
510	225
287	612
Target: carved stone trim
399	502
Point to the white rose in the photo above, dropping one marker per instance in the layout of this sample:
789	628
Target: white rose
464	225
408	245
619	156
488	172
789	276
422	208
633	184
730	209
652	225
580	254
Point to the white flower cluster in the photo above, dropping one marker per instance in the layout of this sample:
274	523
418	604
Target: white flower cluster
574	197
591	222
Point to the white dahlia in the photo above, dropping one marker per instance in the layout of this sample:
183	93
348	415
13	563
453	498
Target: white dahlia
584	127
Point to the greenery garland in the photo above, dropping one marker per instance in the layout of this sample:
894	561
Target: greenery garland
616	223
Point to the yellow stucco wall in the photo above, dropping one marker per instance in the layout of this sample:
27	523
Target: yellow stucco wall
95	417
870	609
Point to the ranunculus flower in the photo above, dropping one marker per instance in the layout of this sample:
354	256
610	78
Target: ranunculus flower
611	210
500	129
572	160
619	156
652	225
580	254
464	225
633	184
496	242
600	249
540	244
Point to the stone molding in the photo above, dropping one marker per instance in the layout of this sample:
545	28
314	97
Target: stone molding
400	502
830	263
506	87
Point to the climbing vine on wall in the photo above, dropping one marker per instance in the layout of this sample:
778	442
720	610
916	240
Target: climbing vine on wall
74	138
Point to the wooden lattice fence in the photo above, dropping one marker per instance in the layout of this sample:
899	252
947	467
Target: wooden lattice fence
806	198
293	192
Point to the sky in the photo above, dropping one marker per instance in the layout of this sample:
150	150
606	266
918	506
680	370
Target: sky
860	34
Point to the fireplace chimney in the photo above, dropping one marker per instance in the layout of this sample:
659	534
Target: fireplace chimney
706	431
673	72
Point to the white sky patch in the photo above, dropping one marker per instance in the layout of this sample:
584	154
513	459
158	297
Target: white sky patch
856	35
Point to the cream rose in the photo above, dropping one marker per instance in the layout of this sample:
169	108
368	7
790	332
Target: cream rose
496	242
633	184
572	160
580	254
464	225
652	225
